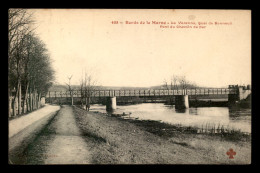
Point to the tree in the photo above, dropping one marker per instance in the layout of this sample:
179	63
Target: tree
81	87
70	89
183	83
39	72
173	83
29	66
179	82
174	80
19	25
165	84
87	86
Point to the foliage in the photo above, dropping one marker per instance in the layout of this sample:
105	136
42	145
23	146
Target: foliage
29	65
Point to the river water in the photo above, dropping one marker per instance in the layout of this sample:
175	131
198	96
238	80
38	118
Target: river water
196	117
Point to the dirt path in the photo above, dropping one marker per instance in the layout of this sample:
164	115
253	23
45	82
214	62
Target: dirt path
67	146
59	142
17	125
19	142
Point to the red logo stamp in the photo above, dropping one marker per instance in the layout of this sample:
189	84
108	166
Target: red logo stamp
231	153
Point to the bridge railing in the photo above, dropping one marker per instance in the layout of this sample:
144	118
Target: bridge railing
147	93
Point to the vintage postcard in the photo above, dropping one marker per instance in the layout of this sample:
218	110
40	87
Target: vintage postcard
129	86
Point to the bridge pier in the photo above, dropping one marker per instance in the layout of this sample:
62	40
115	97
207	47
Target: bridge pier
181	102
242	93
111	104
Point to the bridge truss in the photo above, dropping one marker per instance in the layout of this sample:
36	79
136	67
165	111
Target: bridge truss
142	93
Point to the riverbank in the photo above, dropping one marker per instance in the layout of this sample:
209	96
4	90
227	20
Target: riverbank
115	140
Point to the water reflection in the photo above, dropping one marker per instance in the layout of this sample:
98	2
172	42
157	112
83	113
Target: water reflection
193	111
181	110
210	116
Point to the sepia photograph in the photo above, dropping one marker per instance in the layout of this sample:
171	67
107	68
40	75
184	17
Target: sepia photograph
129	86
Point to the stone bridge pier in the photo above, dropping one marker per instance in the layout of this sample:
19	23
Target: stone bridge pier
181	102
242	92
111	104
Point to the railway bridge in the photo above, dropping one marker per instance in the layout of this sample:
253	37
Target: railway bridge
235	93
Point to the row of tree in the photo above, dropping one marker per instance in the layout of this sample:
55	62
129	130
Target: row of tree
87	86
30	73
178	82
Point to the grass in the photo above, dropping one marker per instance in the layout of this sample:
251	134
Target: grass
166	129
223	131
115	140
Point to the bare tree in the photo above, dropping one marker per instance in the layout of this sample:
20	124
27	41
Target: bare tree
81	85
183	83
70	89
178	82
174	80
19	25
165	84
88	86
29	69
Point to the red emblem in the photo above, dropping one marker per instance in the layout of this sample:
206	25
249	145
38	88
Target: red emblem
231	153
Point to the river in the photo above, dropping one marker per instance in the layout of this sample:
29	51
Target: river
196	117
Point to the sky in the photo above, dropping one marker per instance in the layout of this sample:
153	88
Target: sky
143	55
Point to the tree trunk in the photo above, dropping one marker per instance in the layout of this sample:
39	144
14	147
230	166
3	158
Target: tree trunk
30	100
14	106
9	106
34	99
14	101
19	98
81	100
9	103
71	96
39	100
86	98
87	103
25	102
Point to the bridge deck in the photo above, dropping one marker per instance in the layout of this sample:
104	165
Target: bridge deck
147	93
